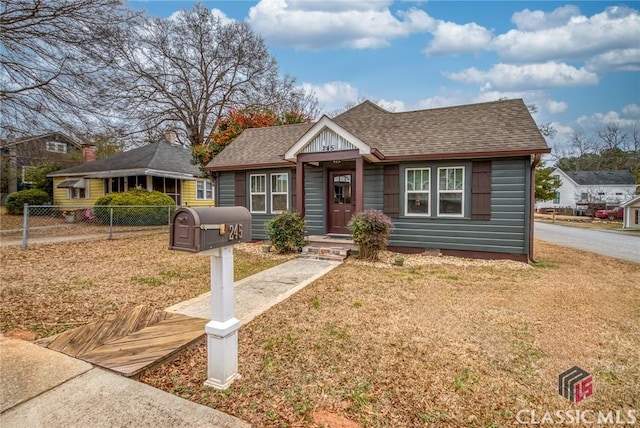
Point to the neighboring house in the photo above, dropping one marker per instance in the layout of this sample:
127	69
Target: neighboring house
19	156
457	179
164	166
582	189
631	219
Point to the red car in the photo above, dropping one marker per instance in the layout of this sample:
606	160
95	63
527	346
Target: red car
614	214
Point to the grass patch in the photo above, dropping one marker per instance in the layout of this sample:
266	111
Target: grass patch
42	292
426	350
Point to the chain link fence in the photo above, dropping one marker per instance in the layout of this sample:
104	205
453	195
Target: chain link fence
51	223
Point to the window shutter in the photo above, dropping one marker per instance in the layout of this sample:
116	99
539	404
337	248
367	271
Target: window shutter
241	189
292	186
391	190
481	190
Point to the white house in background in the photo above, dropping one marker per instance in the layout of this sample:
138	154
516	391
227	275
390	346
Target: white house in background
631	213
581	188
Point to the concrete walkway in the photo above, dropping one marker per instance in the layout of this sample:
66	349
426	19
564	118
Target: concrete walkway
43	388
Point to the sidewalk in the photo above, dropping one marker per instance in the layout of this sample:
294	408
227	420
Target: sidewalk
44	388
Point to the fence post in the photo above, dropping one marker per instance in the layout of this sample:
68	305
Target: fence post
169	218
110	222
25	226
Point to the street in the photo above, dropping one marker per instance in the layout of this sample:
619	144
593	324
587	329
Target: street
620	245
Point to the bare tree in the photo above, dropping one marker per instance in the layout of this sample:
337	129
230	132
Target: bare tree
612	136
47	64
191	70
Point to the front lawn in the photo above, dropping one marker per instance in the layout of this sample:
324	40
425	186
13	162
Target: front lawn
445	342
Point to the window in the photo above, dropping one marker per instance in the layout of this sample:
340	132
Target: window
56	147
451	191
77	193
279	193
258	193
418	183
204	190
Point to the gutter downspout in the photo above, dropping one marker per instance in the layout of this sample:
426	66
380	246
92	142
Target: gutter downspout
534	163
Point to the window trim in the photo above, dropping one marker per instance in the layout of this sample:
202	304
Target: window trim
274	193
71	191
251	193
57	147
461	191
407	191
206	184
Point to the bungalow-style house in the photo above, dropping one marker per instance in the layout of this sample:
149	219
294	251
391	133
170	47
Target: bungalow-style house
631	213
580	190
456	179
164	166
19	156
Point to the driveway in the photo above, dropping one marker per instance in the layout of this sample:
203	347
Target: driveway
620	245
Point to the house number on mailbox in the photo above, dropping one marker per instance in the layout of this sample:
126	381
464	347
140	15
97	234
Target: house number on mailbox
235	232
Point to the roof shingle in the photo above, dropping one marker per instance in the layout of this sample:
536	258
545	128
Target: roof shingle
495	127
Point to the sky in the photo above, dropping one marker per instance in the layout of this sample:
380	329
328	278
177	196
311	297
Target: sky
578	62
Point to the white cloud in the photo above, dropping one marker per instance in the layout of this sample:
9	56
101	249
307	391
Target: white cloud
615	60
315	25
528	76
450	38
332	95
580	38
600	120
556	107
217	13
395	106
631	110
528	20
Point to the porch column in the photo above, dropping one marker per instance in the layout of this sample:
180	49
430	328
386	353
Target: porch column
300	187
359	184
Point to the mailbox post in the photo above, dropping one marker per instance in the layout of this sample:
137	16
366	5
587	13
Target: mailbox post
214	231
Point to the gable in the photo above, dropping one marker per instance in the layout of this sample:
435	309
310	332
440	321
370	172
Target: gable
327	136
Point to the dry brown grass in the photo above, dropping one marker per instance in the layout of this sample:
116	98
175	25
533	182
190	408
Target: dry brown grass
51	288
439	342
446	344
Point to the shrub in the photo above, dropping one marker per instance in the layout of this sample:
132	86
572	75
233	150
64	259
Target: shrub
286	232
16	200
134	208
370	229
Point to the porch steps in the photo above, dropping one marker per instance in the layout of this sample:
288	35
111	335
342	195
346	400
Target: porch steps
327	248
324	253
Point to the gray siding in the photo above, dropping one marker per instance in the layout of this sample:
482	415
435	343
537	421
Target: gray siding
226	189
373	184
314	200
226	198
506	232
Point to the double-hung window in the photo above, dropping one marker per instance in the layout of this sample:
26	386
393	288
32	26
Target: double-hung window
451	191
417	185
258	193
279	193
204	190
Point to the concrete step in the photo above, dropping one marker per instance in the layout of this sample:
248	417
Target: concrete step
318	252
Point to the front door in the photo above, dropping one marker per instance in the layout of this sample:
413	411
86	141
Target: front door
341	201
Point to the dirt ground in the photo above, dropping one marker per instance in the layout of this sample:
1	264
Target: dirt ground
440	341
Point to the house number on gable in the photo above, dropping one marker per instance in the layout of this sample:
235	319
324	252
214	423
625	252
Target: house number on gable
328	148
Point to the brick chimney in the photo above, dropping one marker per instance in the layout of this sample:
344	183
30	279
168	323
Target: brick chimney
89	153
